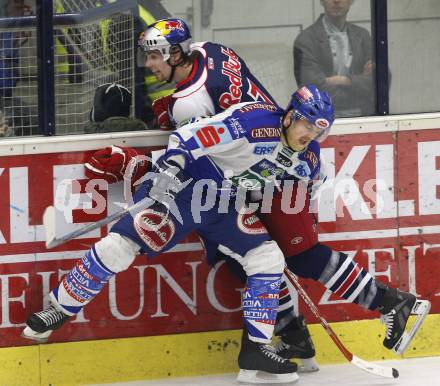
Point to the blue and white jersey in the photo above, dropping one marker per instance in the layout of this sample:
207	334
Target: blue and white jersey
242	145
219	79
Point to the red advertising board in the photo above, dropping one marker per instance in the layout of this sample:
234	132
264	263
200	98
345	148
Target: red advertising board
176	292
381	205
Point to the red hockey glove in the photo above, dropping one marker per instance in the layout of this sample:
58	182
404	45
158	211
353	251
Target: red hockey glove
160	109
110	164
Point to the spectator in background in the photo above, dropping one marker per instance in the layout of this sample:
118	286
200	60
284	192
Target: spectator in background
9	50
17	114
336	56
111	110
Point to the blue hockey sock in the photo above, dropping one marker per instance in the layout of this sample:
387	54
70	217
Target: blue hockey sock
86	280
260	304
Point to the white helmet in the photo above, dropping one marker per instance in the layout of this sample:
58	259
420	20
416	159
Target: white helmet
164	34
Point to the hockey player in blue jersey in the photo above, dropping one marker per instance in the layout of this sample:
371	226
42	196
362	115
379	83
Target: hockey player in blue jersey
223	152
217	75
209	78
209	74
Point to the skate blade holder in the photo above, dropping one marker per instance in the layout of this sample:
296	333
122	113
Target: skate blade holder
257	376
40	337
420	310
309	365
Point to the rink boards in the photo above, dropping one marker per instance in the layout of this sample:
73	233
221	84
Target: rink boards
386	174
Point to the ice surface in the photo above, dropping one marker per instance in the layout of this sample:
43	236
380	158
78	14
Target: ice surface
413	372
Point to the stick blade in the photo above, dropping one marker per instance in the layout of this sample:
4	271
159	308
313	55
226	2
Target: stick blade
49	226
373	368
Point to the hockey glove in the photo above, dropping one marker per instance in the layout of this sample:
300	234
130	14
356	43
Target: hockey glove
168	180
160	109
111	163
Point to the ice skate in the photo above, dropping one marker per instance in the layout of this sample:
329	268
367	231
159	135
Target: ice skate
41	324
259	364
396	308
296	342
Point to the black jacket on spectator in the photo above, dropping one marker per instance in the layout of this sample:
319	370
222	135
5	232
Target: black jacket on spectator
313	62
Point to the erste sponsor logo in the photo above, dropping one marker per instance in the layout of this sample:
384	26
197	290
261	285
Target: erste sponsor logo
264	149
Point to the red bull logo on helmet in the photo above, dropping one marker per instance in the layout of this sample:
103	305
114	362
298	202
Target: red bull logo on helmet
305	93
167	26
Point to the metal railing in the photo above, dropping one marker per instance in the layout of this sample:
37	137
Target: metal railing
48	88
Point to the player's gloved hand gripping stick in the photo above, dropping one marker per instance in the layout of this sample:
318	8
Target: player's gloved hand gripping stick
167	180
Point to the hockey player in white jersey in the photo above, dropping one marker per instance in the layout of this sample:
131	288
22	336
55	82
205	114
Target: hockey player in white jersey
225	151
209	77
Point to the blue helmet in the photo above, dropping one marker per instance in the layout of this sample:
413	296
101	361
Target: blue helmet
164	34
315	106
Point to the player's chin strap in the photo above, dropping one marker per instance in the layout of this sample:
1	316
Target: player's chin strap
173	70
174	66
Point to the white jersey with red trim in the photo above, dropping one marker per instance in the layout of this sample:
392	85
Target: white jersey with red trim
218	80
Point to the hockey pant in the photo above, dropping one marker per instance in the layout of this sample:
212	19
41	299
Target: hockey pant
241	236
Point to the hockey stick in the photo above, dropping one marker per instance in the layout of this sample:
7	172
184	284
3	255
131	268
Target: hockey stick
161	195
388	372
49	223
